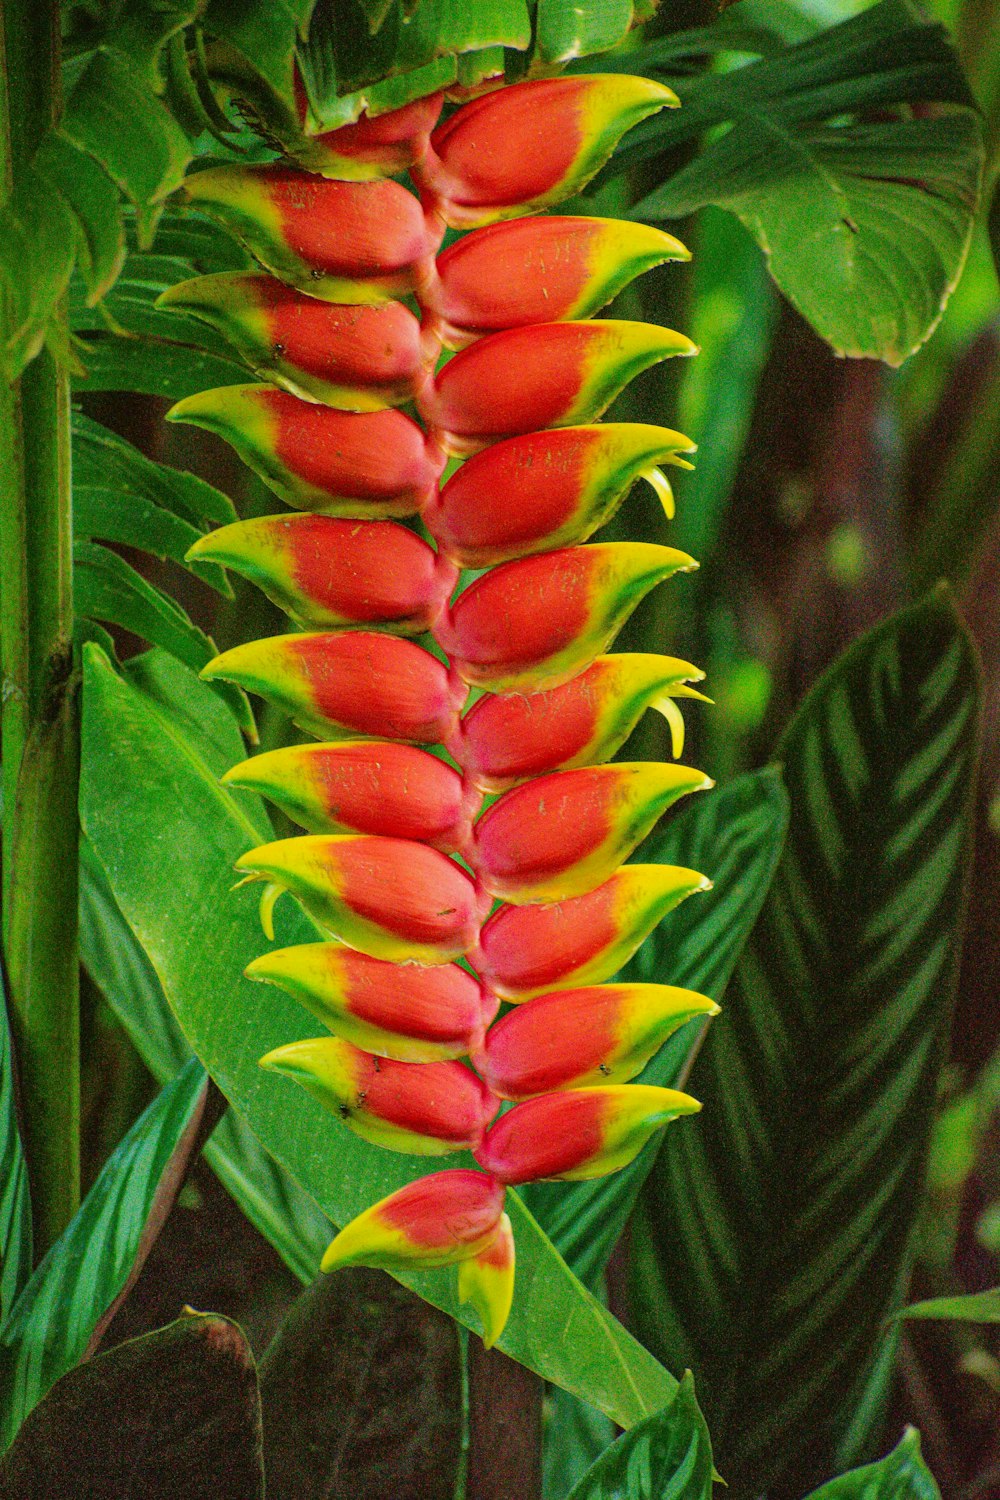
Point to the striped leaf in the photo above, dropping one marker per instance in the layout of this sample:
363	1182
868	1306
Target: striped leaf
901	1475
15	1202
772	1242
69	1301
669	1456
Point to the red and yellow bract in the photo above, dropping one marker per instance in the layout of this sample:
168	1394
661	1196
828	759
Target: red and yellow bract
416	964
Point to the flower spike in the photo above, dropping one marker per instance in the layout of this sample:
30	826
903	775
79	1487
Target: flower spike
370	464
340	241
579	1133
552	375
532	145
357	358
539	271
562	485
508	737
407	1012
438	1220
327	573
536	622
365	786
424	1109
389	898
575	1038
486	1281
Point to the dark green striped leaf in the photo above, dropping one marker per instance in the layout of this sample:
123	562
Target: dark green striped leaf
669	1456
101	457
15	1201
70	1299
901	1475
772	1242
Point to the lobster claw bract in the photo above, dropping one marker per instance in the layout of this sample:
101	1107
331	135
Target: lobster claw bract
438	1220
424	1109
327	572
578	1133
536	622
559	486
525	950
574	1038
368	464
364	786
563	834
340	241
486	1281
371	147
551	375
390	898
542	270
507	737
358	682
409	1012
531	145
357	358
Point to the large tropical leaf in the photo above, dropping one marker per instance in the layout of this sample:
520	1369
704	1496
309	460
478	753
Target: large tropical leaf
901	1475
669	1456
15	1199
772	1244
71	1297
147	793
863	208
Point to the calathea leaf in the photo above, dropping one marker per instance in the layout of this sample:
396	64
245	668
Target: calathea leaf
772	1243
68	1302
669	1456
901	1475
174	1413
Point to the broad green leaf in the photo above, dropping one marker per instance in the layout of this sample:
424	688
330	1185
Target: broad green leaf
772	1244
15	1199
735	836
669	1456
865	222
175	1413
901	1475
101	457
37	238
93	197
972	1307
361	1394
147	792
69	1301
100	512
565	30
109	589
131	305
263	32
573	1439
151	367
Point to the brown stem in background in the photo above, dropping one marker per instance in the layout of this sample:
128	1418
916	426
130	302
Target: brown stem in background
505	1427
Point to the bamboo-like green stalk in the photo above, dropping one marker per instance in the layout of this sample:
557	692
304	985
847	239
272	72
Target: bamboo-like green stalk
40	716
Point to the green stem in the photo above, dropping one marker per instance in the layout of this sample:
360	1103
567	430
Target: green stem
40	689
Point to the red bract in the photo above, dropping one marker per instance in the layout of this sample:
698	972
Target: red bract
415	968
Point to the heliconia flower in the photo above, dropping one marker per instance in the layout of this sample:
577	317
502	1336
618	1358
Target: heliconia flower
531	145
390	898
543	270
525	950
412	1013
550	375
565	833
438	1220
357	358
340	241
559	486
365	786
373	146
486	1281
536	622
326	572
369	464
574	1038
578	1133
424	1109
505	738
361	682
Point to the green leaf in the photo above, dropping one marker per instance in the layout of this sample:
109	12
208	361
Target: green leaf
735	836
151	367
101	457
263	32
69	1301
37	238
973	1307
361	1394
772	1244
669	1456
100	512
147	792
174	1413
15	1199
865	221
109	589
565	30
901	1475
93	197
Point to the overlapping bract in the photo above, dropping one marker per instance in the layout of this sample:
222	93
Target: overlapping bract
410	978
